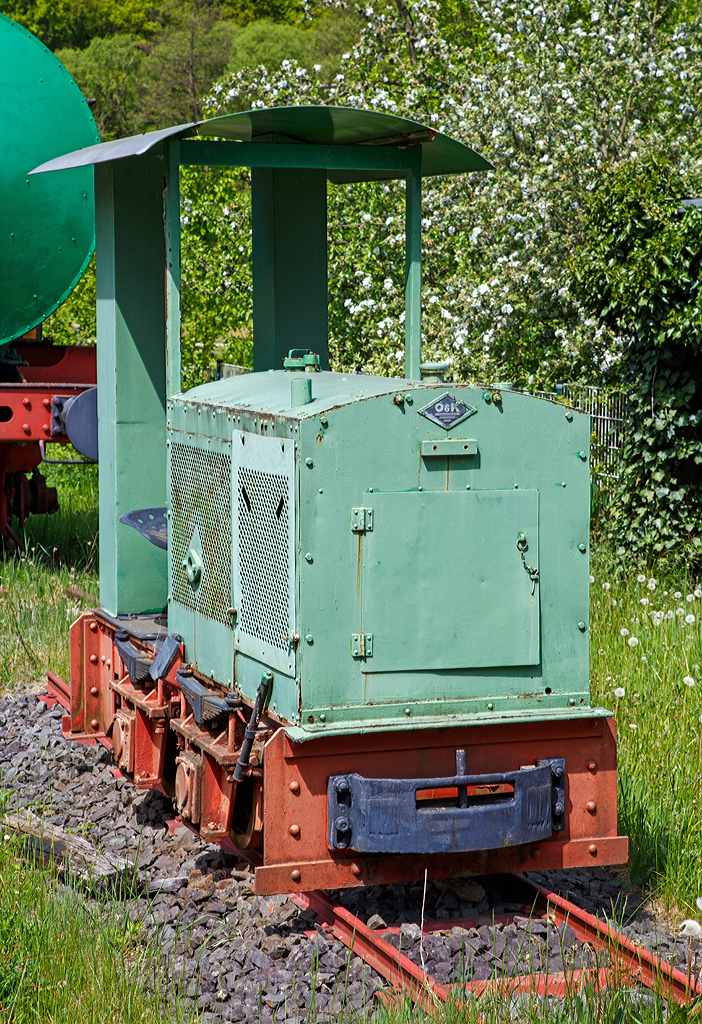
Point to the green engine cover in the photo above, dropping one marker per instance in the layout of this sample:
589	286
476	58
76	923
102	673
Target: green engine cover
47	231
398	554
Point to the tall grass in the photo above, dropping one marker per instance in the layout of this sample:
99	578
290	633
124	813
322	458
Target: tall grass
646	653
40	589
65	961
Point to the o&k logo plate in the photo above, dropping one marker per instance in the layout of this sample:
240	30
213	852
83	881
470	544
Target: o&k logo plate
446	411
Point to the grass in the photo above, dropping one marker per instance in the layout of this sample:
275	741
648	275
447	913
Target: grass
39	592
646	653
64	960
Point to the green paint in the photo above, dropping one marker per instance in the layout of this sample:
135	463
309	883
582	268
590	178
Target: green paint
289	223
47	222
171	216
131	354
413	265
440	582
331	158
443	582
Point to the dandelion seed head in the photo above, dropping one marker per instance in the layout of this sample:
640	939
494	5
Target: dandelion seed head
688	681
606	586
644	601
592	579
641	578
690	620
677	595
690	598
690	928
633	642
624	631
633	726
620	692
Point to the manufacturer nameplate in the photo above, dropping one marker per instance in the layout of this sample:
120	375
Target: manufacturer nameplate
446	411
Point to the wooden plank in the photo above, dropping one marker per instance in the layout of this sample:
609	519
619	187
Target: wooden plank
76	858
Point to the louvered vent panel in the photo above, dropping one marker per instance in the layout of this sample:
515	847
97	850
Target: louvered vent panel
264	537
201	497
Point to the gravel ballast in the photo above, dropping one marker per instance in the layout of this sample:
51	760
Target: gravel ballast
240	957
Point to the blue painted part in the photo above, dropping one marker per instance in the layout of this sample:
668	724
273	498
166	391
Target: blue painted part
384	815
138	667
150	523
165	657
206	706
82	423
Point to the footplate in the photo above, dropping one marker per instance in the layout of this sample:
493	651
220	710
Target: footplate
450	815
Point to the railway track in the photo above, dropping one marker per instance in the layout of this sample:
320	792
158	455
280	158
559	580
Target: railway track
609	957
629	964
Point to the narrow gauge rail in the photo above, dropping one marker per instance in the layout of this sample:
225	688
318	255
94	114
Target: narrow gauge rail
631	964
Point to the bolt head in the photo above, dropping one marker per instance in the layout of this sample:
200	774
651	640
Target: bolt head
294	830
557	771
341	786
592	850
294	786
558	808
591	806
591	766
295	875
342	825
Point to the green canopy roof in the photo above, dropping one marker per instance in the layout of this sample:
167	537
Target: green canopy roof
312	125
345	126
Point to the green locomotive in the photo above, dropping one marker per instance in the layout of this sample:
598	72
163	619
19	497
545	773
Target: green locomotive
373	658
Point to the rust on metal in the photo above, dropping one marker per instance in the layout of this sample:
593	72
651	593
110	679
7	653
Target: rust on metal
630	965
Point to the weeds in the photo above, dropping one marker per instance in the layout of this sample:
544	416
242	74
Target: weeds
68	961
43	590
646	652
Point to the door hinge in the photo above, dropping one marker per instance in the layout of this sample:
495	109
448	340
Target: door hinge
361	520
361	645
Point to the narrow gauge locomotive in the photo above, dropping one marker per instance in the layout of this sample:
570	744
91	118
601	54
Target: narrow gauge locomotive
374	657
47	235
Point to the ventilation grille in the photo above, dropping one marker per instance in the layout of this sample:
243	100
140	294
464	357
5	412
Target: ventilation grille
263	556
201	496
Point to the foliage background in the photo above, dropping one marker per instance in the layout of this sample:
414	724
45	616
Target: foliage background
570	260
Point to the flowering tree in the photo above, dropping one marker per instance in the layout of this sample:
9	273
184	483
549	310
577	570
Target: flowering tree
552	95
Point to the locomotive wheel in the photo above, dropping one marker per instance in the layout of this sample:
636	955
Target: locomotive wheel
247	822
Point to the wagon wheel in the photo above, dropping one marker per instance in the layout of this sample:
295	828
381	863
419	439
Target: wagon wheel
247	820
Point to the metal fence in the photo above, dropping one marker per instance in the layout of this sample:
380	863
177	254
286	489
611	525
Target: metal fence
608	413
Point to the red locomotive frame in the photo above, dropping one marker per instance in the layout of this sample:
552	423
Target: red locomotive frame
277	815
46	372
